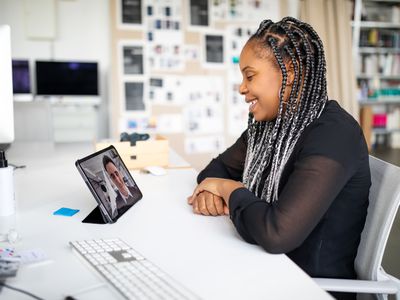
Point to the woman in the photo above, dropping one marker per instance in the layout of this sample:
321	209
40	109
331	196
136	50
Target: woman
297	180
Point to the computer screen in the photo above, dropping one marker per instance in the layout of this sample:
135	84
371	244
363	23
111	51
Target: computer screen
6	93
21	77
56	78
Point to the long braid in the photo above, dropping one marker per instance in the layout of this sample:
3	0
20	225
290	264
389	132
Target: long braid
289	40
279	118
287	135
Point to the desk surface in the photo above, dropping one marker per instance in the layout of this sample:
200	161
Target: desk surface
205	254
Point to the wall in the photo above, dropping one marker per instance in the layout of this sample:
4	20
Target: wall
85	30
190	69
82	33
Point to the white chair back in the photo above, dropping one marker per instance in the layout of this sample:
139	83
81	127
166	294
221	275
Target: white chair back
384	199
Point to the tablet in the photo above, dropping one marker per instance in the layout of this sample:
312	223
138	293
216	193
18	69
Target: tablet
110	183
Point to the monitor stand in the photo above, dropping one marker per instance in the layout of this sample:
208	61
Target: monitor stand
4	147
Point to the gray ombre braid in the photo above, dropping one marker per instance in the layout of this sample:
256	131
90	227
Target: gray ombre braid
270	143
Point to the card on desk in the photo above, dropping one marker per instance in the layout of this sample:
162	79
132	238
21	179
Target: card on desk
64	211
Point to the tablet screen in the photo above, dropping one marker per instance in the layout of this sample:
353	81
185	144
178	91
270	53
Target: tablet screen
110	182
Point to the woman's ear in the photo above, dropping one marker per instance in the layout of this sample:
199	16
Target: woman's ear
290	73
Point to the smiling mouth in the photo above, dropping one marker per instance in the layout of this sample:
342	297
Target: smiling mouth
252	104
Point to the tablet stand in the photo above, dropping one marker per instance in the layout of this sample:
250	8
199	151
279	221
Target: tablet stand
95	217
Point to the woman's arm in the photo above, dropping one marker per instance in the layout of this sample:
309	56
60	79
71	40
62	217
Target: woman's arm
283	226
229	164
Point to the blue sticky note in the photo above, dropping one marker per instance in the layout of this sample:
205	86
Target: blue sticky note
64	211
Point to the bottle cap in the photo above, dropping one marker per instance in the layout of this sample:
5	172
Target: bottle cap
3	160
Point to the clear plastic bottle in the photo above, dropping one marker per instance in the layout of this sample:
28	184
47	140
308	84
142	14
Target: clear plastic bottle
7	201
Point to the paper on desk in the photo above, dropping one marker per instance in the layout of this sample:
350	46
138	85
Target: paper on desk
32	256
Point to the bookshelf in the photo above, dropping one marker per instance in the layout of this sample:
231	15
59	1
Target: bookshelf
376	52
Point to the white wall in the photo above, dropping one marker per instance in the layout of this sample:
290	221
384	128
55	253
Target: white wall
82	33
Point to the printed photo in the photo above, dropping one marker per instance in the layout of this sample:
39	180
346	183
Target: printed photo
131	12
133	60
199	13
214	48
134	96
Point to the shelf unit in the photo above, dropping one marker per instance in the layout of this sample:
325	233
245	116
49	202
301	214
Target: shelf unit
381	50
385	131
376	101
371	24
376	53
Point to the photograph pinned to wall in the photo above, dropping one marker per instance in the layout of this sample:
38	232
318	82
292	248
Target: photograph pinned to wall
133	92
165	57
164	35
130	14
132	58
254	10
238	111
166	90
191	52
169	123
198	14
237	36
204	144
200	90
164	14
213	50
136	122
203	119
219	10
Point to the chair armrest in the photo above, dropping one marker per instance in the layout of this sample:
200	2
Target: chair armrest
357	286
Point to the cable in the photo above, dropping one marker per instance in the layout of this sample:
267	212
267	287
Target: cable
19	290
17	167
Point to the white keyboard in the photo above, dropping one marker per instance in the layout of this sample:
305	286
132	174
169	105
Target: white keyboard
129	272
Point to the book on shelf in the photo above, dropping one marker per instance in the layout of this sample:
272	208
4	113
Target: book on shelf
384	94
380	64
395	140
376	12
389	93
389	120
382	38
393	119
379	120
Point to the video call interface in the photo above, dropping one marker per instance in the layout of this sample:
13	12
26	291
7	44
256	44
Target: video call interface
111	182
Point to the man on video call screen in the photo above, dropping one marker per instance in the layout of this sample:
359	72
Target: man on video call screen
115	188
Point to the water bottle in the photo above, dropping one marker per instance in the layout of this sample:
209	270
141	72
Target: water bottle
7	202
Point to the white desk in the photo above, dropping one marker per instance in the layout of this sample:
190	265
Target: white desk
205	254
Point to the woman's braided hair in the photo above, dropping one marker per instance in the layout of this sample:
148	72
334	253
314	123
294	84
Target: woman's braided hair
270	143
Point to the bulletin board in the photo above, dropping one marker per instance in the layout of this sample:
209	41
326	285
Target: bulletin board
175	70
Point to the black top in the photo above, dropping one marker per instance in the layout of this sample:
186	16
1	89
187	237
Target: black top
322	198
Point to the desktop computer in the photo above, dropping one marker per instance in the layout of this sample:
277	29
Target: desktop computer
6	90
21	80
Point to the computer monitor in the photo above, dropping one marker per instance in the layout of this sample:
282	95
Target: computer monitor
21	80
6	89
67	78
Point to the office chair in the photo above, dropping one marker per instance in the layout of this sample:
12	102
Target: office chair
384	200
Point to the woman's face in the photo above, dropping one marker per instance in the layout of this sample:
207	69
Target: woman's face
261	83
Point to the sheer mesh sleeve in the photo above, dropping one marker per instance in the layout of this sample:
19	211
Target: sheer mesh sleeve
281	227
229	164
